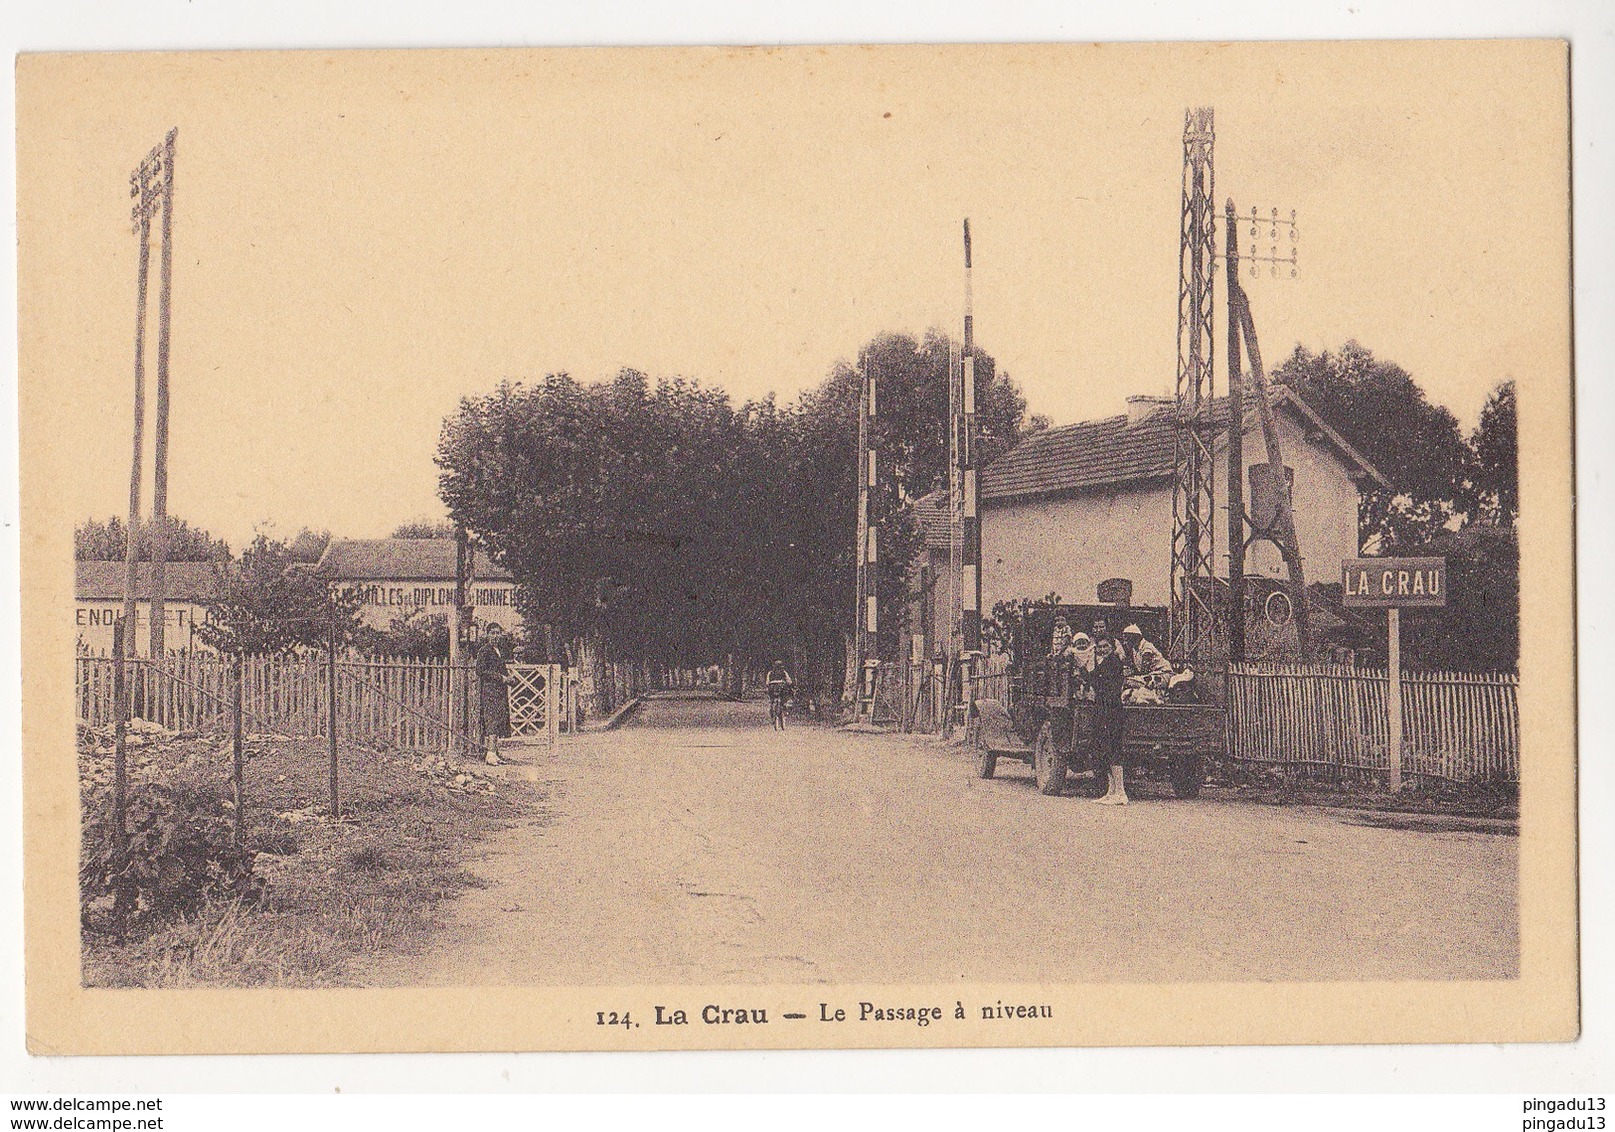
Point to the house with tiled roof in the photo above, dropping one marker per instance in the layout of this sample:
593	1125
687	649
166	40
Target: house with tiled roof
400	576
1073	506
98	590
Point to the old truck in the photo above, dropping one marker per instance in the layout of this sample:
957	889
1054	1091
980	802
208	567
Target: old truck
1048	719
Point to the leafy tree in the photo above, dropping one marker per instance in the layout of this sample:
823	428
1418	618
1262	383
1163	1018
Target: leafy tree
612	504
268	603
1004	631
308	545
1417	445
423	636
912	402
424	528
1496	445
1478	629
96	541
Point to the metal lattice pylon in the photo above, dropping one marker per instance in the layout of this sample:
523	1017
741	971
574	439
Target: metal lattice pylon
1191	622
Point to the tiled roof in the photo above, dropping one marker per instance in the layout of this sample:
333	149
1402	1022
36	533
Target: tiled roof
1090	454
399	560
1113	452
182	581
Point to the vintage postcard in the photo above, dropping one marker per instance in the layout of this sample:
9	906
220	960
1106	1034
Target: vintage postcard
629	549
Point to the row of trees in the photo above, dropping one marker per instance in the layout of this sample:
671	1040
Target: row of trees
94	540
671	525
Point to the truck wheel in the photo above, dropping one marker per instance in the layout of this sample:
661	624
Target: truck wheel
1186	775
1048	763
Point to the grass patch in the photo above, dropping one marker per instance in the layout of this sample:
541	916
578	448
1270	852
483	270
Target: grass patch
1249	782
334	892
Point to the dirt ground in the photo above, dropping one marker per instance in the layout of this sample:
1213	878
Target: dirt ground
695	845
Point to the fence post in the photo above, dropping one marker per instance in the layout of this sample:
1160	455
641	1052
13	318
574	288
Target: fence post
1393	699
236	754
473	702
336	798
552	711
120	733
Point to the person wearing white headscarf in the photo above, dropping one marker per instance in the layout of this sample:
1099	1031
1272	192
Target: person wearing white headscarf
1081	652
1143	659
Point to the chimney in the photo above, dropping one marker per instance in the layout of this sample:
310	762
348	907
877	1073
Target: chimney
1140	406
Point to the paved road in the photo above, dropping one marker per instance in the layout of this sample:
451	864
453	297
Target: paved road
696	845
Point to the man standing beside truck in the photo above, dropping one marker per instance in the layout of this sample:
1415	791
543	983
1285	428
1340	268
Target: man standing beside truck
1106	680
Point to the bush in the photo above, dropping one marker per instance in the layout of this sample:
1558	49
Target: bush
181	855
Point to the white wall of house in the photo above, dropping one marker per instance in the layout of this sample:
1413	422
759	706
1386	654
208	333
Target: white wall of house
93	621
386	601
1068	546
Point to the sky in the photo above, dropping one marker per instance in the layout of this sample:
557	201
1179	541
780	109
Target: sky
361	240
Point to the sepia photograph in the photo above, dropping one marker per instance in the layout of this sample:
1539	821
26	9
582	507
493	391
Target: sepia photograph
682	548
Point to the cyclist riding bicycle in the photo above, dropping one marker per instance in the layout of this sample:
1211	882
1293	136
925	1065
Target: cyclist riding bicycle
780	685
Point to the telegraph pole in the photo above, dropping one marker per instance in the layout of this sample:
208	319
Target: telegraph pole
159	480
147	191
1236	452
1283	535
1286	539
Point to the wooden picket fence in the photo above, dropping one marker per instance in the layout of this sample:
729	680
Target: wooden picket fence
1331	720
423	705
992	682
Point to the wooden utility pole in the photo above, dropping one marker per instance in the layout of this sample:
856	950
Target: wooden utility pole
237	753
159	481
145	190
1236	451
1288	545
120	739
456	629
330	729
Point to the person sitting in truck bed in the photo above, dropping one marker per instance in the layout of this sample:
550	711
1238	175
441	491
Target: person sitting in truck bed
1147	667
1141	657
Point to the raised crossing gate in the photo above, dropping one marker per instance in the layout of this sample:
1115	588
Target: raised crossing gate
535	701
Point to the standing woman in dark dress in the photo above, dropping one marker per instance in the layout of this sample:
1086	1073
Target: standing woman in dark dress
1107	679
493	683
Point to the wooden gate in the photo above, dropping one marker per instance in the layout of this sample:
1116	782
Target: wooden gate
535	708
